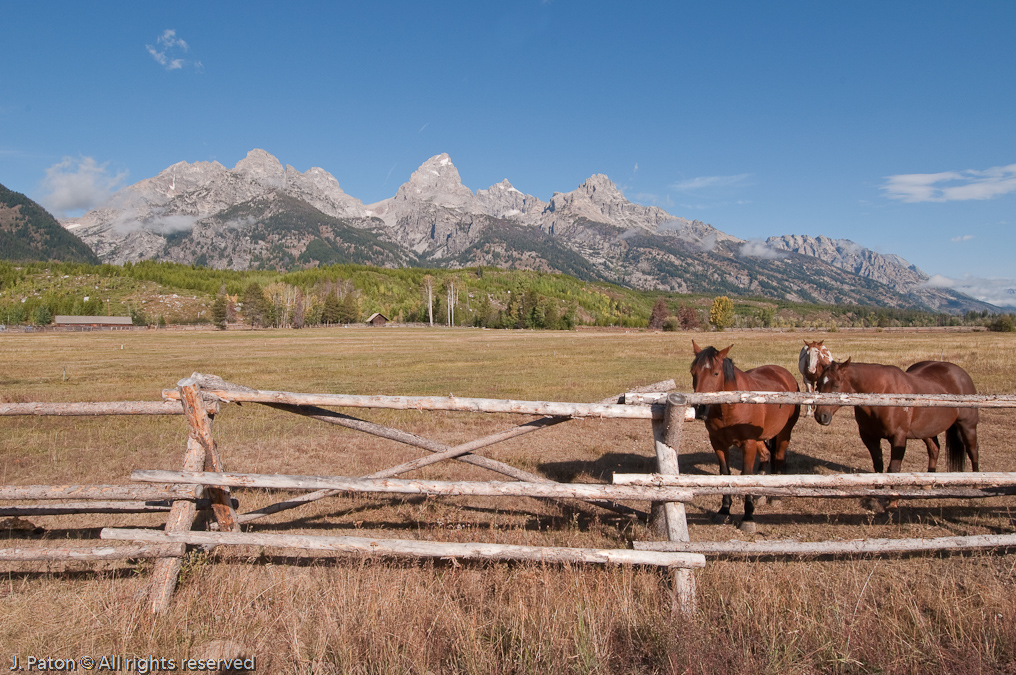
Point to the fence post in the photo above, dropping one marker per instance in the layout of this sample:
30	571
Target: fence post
182	514
671	515
201	428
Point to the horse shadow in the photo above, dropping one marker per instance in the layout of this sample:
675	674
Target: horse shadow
605	466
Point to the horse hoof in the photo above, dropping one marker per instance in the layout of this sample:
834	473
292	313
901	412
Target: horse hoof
748	527
871	504
721	518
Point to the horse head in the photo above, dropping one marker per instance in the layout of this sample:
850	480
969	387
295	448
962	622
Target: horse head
833	379
710	371
814	357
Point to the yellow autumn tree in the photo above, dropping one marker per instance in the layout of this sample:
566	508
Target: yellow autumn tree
721	314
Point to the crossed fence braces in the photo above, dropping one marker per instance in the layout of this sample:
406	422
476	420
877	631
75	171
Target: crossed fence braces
204	485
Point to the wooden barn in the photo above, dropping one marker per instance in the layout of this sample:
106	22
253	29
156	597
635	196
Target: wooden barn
377	319
85	322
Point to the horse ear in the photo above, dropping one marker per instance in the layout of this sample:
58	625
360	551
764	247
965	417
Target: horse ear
847	362
723	354
820	343
697	349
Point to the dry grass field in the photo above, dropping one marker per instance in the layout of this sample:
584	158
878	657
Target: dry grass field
300	613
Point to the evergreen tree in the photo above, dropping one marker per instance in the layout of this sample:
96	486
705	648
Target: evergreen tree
219	312
349	311
42	316
254	305
332	312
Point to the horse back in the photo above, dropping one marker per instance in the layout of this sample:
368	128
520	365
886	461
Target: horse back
772	378
940	377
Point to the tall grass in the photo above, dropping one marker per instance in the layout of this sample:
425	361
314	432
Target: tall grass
302	613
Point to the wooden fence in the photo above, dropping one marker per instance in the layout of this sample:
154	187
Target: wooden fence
203	483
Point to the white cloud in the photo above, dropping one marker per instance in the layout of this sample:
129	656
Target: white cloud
167	50
939	281
711	182
997	291
965	237
949	186
756	248
78	185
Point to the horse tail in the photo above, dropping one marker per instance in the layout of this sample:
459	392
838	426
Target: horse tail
954	446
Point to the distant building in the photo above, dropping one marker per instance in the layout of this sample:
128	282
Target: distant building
377	319
60	321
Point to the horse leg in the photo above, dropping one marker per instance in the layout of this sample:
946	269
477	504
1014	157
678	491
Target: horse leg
809	410
968	434
899	448
874	445
723	515
750	449
933	448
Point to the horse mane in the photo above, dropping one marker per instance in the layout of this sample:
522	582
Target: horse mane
710	353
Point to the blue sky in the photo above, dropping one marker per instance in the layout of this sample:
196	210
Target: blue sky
890	124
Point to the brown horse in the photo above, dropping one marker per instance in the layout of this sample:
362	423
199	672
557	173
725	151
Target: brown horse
814	357
898	424
757	429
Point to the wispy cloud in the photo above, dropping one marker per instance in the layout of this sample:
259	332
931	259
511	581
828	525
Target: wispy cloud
168	49
80	184
965	237
653	199
702	183
948	186
997	291
756	248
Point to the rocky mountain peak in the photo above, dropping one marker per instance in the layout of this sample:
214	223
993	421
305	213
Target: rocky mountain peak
263	167
503	200
436	181
601	189
598	199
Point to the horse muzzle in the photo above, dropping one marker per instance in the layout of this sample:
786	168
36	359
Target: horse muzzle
701	411
823	417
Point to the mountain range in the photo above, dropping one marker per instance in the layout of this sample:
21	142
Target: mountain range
260	214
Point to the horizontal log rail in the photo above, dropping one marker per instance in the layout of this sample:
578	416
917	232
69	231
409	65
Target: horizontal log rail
67	508
805	398
446	403
107	492
428	487
81	553
848	547
164	407
867	480
416	548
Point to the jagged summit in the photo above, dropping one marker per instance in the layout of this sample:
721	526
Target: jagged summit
262	166
598	199
437	181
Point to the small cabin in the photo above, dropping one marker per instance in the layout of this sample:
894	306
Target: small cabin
377	319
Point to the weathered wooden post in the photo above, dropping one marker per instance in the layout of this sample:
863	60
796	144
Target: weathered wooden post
669	517
201	455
